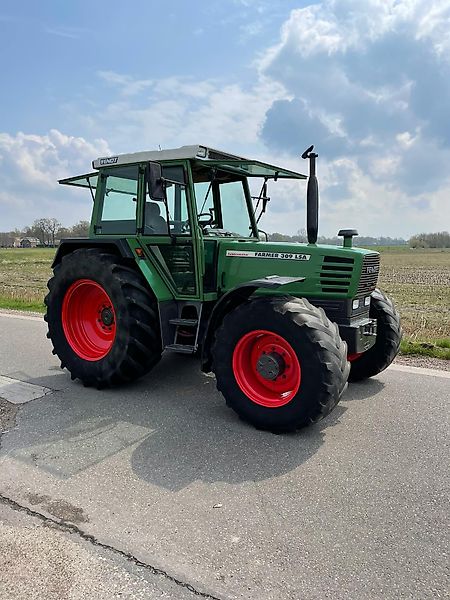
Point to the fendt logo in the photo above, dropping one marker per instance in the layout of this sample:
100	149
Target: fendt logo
112	160
372	270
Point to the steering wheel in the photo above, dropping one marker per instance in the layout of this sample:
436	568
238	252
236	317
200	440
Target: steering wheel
208	221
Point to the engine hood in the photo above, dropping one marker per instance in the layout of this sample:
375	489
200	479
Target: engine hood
328	270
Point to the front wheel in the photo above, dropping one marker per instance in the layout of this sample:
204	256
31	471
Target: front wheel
387	344
280	363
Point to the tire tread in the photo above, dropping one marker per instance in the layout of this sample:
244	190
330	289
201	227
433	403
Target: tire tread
332	351
143	349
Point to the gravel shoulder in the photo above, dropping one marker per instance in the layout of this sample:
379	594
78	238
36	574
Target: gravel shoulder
424	362
20	313
8	413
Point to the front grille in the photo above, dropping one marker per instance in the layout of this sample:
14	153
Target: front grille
336	274
333	308
369	274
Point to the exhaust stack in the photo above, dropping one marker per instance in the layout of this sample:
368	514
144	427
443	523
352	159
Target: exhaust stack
312	197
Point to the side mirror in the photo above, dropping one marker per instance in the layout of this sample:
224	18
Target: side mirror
155	182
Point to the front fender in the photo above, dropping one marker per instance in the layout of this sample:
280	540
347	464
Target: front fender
230	301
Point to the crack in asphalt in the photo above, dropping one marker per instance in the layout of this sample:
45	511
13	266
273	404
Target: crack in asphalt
73	529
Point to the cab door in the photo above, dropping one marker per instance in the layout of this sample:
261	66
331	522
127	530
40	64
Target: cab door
168	233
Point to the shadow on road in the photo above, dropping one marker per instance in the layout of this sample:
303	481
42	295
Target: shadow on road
175	420
363	389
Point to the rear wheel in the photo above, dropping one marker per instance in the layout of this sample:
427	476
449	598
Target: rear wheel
387	344
101	319
280	363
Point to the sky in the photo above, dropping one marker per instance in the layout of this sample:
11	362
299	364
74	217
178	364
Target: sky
367	82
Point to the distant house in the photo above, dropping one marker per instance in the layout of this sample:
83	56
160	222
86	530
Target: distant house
29	242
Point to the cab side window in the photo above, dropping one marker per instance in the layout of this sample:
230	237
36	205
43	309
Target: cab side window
119	201
155	214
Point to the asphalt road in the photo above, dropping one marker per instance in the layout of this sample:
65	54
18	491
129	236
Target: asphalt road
157	490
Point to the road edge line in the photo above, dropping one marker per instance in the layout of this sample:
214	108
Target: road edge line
420	371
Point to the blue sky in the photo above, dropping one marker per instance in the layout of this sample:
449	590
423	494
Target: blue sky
367	82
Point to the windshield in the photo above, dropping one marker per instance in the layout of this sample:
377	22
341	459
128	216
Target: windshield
221	204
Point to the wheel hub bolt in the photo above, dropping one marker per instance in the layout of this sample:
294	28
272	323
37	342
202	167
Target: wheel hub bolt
270	366
107	316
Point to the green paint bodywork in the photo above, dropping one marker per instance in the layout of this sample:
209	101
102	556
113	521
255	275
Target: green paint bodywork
156	281
234	270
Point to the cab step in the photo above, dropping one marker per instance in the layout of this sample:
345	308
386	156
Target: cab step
182	348
185	322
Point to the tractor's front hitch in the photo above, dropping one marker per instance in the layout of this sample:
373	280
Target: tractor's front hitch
359	336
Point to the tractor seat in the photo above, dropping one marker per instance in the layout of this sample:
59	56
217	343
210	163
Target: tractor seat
154	222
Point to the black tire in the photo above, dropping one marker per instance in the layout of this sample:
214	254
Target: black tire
321	352
389	336
136	347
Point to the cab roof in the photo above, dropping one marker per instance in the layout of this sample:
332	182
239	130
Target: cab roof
201	154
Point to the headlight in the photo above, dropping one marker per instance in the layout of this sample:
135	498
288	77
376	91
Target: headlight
367	301
355	304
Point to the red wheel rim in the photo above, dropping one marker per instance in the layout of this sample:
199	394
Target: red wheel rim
88	319
256	354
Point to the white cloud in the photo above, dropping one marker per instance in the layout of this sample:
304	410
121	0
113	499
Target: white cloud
251	29
367	204
434	26
181	110
336	26
376	209
30	166
43	159
127	85
72	33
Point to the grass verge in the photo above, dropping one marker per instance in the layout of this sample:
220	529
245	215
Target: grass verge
434	349
11	304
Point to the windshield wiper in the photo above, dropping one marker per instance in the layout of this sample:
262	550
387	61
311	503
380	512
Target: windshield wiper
265	199
213	172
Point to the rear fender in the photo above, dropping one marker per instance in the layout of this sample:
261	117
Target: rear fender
118	246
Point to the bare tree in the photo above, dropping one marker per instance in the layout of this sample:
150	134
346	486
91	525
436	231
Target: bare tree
52	226
440	239
7	239
301	236
64	232
39	230
44	230
81	229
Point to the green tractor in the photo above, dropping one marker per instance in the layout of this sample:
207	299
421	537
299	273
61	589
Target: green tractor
175	262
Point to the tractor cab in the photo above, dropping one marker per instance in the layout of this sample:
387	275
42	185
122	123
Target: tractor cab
181	205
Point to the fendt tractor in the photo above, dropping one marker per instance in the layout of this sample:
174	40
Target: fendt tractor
175	262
